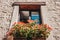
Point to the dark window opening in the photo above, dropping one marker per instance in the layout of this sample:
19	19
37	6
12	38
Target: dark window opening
30	11
24	16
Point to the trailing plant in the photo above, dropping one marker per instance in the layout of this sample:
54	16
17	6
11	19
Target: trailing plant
29	30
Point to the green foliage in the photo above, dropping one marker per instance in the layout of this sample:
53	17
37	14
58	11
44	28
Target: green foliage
30	30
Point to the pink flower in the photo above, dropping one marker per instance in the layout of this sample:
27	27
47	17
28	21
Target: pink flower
48	27
39	26
14	23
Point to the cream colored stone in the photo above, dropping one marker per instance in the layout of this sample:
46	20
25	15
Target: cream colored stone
52	17
15	15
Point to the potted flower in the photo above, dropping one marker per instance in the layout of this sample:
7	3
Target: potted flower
29	31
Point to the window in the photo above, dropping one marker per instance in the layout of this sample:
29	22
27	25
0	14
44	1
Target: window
29	8
30	12
24	16
35	16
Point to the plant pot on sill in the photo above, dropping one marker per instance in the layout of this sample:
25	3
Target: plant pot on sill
22	38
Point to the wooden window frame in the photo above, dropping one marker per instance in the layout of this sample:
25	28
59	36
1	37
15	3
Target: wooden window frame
29	3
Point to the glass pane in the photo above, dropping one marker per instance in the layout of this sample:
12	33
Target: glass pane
35	16
24	16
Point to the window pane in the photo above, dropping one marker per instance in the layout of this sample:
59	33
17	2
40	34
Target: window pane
24	16
35	16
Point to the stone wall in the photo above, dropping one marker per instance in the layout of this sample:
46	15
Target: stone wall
53	15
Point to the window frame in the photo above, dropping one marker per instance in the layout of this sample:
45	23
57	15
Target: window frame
39	13
15	6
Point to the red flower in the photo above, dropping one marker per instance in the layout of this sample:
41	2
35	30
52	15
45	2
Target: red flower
10	31
20	23
30	21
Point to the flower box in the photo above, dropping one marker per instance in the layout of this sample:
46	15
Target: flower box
29	31
22	38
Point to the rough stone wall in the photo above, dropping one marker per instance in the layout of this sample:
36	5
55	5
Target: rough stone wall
6	10
53	17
